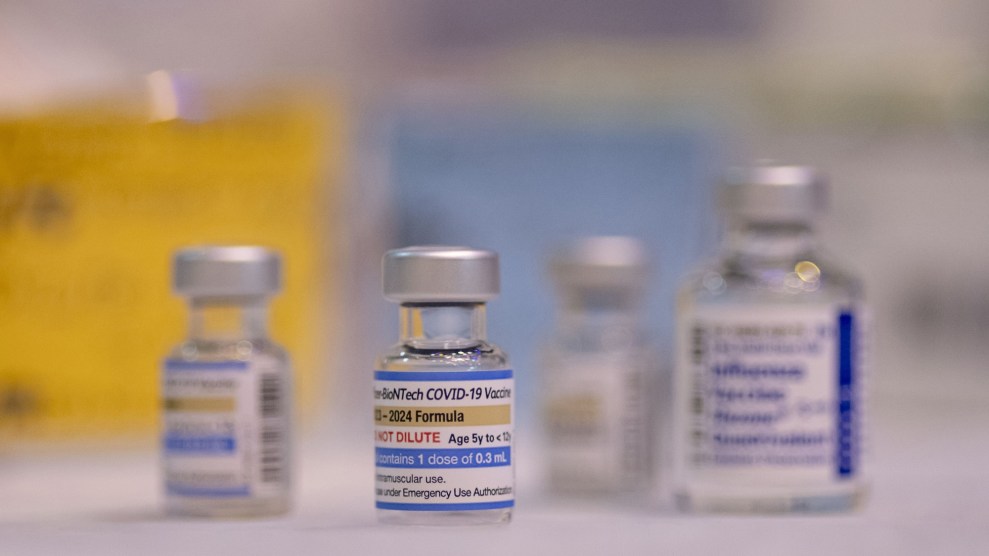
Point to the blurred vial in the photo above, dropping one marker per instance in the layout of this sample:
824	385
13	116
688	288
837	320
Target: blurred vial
227	390
443	395
597	371
769	359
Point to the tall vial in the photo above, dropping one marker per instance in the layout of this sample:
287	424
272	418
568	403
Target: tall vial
226	389
443	395
598	372
770	356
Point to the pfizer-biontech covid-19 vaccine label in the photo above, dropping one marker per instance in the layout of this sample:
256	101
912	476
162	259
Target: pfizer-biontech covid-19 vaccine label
772	393
225	429
443	440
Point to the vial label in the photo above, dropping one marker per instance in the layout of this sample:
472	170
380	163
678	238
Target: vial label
225	428
772	393
443	440
594	417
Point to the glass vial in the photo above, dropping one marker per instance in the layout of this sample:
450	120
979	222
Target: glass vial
597	370
226	390
769	364
443	396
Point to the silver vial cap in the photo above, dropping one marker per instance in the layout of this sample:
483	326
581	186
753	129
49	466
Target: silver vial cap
601	262
440	274
773	193
226	271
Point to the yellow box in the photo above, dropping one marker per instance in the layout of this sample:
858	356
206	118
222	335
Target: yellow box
93	201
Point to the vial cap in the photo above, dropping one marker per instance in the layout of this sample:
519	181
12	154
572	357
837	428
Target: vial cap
773	193
226	271
437	273
602	262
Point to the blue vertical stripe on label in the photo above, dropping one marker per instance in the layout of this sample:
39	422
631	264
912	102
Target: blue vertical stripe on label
847	423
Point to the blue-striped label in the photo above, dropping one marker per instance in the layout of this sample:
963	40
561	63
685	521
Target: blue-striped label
772	392
443	439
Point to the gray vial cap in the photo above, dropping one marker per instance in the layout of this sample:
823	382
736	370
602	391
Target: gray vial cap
773	193
440	274
226	271
611	262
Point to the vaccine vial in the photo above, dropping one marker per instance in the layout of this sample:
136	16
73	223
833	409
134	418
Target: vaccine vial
598	372
443	395
226	389
770	359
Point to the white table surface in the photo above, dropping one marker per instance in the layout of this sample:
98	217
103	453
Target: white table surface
930	463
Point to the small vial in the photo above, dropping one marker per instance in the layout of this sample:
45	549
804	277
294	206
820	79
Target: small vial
226	390
443	396
597	370
770	359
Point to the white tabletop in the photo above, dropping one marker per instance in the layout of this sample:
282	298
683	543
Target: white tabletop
930	496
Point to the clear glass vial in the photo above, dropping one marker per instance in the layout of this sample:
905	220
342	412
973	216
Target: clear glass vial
599	371
226	390
444	396
770	359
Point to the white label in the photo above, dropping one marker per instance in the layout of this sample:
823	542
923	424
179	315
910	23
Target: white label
595	423
769	393
443	440
225	428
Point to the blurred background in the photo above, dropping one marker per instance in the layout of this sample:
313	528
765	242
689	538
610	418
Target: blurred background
336	129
